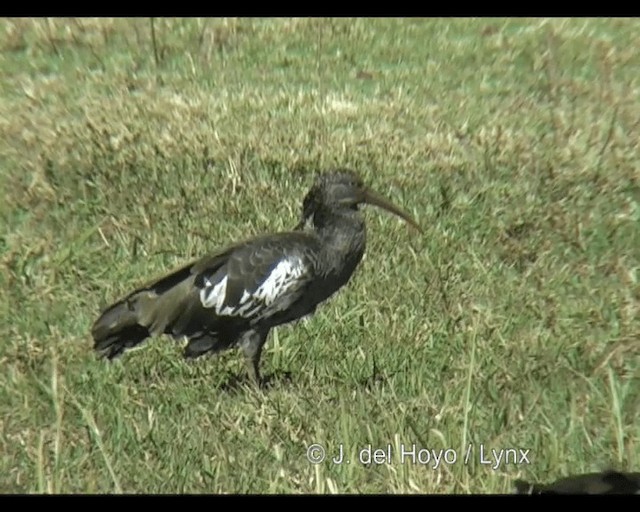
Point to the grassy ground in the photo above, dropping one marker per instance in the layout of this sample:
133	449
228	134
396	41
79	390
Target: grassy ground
512	324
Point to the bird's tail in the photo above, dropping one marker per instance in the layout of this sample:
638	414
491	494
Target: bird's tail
149	311
119	328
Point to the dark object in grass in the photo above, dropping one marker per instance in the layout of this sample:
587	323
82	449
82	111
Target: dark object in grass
234	297
607	482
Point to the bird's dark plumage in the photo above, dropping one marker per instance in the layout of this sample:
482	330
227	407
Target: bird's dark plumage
607	482
235	296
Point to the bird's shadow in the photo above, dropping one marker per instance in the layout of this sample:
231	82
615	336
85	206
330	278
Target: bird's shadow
238	383
377	379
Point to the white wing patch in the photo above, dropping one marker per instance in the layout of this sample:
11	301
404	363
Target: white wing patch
284	276
213	296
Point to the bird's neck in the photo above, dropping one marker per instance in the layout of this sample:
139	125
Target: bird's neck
342	235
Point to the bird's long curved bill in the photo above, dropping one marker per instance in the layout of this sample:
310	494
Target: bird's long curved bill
372	198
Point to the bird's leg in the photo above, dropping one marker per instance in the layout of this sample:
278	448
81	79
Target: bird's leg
251	344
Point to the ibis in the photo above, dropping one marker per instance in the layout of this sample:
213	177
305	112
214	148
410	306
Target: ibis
233	297
606	482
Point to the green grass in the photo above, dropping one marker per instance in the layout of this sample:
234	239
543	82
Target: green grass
512	323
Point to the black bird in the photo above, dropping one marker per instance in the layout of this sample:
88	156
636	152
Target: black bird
607	482
234	297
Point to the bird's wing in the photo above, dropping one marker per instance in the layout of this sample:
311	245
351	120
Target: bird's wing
159	306
260	278
225	292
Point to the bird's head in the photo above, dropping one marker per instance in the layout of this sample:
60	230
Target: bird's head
344	189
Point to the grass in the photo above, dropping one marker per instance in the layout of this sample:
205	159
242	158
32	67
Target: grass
512	323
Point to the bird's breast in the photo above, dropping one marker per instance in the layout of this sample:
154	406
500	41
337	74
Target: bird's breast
336	275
